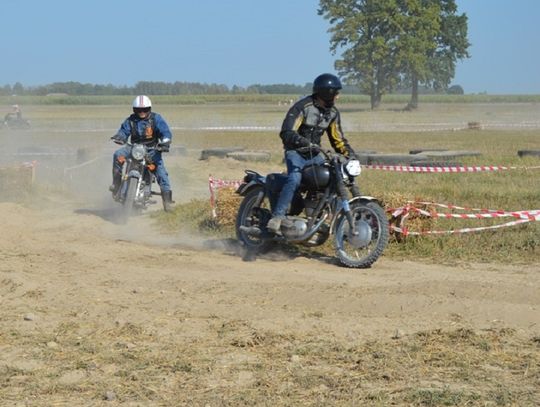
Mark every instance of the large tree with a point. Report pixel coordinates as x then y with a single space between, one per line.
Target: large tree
384 42
448 44
365 31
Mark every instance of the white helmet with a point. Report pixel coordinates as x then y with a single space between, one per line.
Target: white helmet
142 102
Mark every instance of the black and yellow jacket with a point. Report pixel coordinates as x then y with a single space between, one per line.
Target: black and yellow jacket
305 123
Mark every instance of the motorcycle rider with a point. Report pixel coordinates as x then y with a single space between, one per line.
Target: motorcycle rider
302 128
15 113
149 128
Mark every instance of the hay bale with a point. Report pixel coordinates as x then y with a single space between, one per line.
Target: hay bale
227 203
16 179
414 221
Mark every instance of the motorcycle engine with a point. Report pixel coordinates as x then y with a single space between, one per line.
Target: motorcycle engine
293 227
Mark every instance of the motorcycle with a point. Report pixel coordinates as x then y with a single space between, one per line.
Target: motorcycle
135 190
321 207
15 123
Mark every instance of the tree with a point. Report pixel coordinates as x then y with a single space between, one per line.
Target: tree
18 88
386 42
366 30
448 44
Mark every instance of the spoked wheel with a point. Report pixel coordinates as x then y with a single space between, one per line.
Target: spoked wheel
363 249
253 215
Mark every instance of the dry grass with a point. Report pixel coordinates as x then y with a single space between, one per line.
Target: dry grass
236 363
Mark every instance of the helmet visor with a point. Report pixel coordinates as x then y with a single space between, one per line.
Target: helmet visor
141 109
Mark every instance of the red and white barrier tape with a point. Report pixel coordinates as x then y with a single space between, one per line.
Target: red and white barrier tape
407 232
404 212
405 168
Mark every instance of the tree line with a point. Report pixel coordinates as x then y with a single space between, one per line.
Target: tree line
176 88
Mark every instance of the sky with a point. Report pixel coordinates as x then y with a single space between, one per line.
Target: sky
233 42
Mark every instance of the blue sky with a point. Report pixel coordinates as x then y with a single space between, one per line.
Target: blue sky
240 42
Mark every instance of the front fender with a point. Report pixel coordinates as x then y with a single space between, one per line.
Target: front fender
361 199
134 174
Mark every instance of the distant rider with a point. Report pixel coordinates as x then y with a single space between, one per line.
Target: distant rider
303 126
149 128
15 113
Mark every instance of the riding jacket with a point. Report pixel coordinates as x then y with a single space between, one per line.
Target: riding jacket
150 130
305 123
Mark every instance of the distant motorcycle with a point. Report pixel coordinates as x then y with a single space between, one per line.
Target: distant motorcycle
16 123
320 207
135 190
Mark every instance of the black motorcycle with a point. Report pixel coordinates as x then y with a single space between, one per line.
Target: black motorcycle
135 190
320 207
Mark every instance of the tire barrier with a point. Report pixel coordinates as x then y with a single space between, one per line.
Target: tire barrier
389 159
260 156
220 152
528 153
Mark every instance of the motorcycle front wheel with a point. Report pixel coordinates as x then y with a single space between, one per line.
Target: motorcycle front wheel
363 249
129 201
254 212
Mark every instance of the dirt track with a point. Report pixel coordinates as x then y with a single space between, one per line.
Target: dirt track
67 274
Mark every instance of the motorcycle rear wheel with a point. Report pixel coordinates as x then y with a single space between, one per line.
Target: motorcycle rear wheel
362 251
253 208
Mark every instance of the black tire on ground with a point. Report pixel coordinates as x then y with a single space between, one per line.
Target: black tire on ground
220 152
436 164
423 150
260 156
370 214
246 216
529 153
393 159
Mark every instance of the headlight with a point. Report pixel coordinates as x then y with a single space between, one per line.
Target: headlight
137 152
353 168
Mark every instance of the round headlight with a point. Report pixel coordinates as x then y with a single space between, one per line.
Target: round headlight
137 152
353 168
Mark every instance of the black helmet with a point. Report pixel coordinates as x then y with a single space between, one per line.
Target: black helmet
326 86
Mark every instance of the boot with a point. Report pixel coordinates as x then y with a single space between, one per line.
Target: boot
117 180
166 196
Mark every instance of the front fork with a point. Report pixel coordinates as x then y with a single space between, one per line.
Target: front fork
344 195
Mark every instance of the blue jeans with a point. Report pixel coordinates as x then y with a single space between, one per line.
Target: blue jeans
162 176
295 163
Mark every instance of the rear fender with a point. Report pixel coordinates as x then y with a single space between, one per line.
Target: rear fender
251 180
247 187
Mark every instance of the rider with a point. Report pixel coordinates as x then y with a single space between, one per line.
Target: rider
149 128
15 113
302 128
